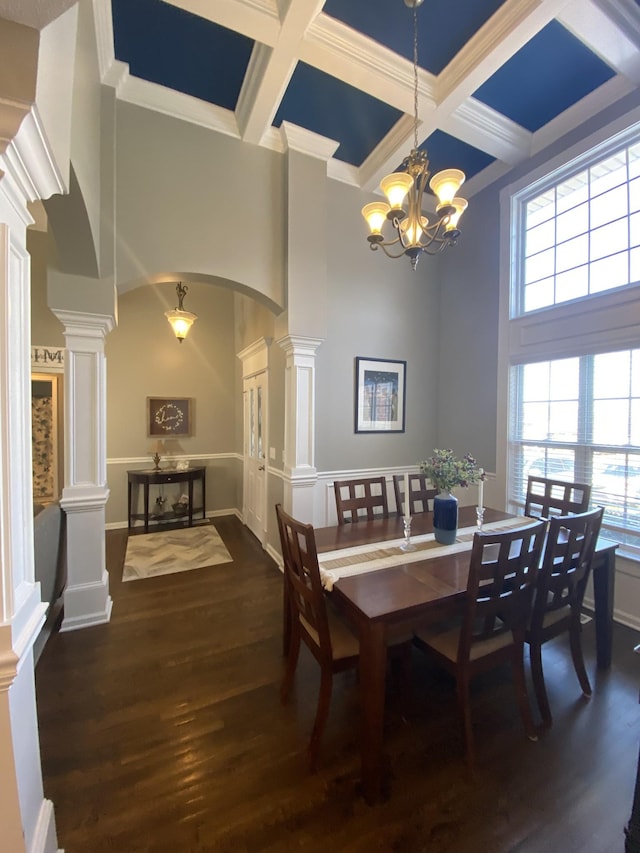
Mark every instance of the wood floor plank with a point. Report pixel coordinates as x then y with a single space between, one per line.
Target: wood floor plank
163 730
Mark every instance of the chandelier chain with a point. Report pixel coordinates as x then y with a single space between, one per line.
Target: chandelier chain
412 231
415 75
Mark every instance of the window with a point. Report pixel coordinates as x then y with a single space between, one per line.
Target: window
580 236
579 419
571 326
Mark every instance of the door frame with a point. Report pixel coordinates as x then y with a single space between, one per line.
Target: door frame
255 360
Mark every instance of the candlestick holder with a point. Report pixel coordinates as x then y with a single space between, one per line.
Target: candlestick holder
407 545
479 517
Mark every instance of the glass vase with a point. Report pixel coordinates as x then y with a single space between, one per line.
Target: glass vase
445 518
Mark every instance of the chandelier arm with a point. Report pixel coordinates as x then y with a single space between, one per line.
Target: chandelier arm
383 246
440 245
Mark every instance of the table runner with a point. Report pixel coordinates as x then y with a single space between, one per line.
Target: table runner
344 562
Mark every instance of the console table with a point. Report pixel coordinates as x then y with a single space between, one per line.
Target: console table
160 478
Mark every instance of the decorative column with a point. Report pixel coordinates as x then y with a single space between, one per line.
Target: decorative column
84 497
27 820
299 425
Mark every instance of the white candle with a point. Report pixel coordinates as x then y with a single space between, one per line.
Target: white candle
481 489
407 505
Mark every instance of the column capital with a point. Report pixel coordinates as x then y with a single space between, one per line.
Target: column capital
299 345
83 325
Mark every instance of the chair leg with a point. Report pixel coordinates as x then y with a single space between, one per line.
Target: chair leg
522 697
324 700
462 692
575 639
292 662
535 654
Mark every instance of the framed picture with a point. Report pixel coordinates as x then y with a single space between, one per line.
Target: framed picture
169 416
380 390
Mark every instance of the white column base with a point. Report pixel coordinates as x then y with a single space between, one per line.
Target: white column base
86 596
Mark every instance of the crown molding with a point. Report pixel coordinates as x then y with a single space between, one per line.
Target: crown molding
158 98
484 128
29 161
296 138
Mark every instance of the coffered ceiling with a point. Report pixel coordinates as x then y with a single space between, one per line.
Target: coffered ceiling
498 79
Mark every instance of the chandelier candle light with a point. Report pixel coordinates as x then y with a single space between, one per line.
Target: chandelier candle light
413 233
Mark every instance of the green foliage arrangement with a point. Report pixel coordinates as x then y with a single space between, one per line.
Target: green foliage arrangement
446 472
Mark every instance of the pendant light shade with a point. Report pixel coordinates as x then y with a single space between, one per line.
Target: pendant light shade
180 320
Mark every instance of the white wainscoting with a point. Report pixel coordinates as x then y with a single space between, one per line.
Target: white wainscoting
325 503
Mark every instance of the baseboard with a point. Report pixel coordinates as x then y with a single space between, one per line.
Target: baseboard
217 513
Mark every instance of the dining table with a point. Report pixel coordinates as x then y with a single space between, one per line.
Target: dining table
385 592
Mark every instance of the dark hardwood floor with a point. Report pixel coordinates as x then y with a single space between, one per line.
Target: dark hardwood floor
163 731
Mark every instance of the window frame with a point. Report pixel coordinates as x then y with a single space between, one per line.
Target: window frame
595 323
550 181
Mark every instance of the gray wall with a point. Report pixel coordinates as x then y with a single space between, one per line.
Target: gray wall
144 359
192 202
379 308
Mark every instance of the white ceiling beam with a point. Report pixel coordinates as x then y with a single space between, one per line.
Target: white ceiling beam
271 69
503 35
256 19
610 31
350 56
487 130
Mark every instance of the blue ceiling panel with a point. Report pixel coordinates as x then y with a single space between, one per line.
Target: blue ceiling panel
442 29
447 152
565 72
325 105
171 47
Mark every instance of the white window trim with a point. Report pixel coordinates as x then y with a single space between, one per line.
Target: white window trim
595 323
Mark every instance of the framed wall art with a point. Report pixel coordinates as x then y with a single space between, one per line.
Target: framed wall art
380 395
169 416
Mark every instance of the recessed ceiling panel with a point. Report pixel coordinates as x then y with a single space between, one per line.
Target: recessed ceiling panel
548 75
324 105
447 152
443 28
171 47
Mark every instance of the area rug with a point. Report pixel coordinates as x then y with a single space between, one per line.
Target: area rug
152 554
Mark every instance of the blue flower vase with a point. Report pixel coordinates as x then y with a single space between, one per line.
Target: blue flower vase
445 518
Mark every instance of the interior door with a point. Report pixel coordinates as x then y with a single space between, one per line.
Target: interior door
255 469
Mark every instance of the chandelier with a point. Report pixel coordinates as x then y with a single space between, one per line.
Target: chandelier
180 320
412 232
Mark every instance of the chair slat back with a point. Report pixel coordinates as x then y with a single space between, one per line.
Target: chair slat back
502 572
546 497
361 499
420 495
562 579
302 574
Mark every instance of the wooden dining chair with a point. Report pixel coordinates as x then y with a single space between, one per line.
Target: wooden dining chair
546 497
559 591
499 590
329 639
361 499
420 495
